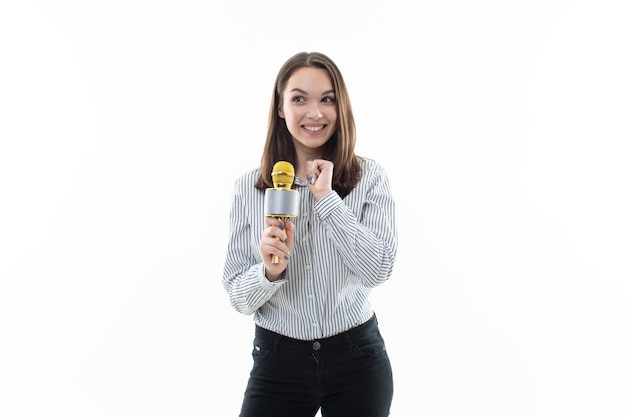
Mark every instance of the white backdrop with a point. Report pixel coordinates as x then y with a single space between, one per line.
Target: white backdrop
124 123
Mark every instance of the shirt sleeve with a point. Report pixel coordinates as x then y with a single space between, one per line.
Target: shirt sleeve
244 273
365 236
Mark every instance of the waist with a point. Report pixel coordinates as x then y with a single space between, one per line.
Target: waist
338 341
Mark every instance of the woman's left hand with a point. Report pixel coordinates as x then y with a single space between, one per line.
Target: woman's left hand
320 177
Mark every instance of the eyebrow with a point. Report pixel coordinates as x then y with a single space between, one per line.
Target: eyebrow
299 90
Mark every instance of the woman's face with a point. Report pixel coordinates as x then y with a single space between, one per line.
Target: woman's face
309 108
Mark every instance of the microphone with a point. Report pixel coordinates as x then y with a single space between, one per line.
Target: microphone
282 202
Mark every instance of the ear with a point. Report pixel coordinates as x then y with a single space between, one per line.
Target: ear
280 113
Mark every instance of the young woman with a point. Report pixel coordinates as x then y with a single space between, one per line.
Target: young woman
317 342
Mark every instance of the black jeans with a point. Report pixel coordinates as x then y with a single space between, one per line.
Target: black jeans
346 375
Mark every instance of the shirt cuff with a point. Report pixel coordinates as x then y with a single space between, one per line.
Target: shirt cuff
327 204
266 284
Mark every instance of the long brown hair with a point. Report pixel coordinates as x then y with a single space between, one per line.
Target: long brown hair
340 147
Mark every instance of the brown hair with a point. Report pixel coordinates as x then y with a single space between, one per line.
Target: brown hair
340 147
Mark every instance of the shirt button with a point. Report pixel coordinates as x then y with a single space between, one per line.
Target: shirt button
317 345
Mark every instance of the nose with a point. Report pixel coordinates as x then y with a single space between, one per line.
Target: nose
315 112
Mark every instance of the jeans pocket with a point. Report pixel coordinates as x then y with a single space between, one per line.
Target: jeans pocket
371 345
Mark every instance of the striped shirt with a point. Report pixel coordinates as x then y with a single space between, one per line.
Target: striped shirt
342 249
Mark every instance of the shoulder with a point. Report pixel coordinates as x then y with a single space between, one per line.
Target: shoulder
371 169
248 178
369 163
244 184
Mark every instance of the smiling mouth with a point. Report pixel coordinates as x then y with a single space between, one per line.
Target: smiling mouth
315 128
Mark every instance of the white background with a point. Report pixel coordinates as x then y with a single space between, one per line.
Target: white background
124 123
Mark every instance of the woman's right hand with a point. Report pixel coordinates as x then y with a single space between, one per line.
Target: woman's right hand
277 239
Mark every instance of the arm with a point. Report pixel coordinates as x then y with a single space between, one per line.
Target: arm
244 276
366 234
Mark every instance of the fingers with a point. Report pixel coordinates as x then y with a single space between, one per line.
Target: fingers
276 242
319 175
272 248
315 168
312 171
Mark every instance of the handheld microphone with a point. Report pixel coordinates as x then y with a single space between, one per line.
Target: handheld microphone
282 202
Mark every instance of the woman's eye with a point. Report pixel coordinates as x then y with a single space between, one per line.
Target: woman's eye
328 100
298 99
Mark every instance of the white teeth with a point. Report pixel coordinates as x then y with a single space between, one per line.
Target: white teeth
313 128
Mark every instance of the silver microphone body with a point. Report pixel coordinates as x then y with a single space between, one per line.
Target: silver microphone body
282 202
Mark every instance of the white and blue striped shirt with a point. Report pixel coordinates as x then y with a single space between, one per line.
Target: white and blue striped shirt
342 249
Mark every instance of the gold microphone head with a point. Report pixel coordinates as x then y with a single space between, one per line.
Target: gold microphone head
283 174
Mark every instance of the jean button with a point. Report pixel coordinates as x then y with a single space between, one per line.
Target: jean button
317 345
